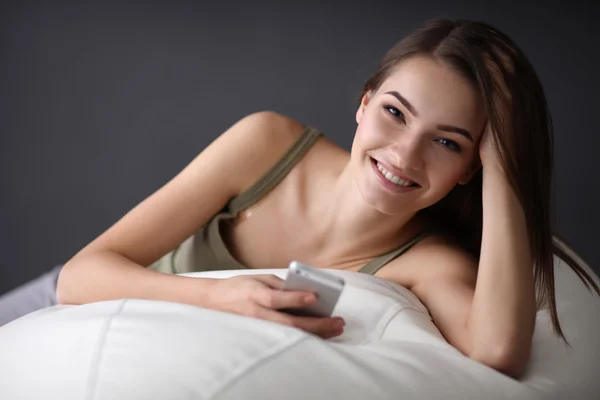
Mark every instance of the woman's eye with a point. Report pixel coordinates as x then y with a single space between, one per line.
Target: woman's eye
450 144
395 112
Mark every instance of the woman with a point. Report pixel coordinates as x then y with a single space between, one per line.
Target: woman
447 130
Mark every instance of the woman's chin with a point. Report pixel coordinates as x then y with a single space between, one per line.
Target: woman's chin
386 204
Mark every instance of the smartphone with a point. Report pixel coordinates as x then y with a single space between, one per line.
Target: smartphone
327 287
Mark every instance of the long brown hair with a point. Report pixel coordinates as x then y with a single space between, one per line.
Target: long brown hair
523 136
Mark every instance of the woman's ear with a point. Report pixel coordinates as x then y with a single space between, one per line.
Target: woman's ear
363 103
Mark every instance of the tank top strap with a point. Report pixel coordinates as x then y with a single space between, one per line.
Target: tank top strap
283 166
378 262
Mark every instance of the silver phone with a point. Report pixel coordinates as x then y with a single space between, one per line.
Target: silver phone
327 287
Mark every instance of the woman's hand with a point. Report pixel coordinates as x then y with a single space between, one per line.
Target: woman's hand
502 100
260 296
487 151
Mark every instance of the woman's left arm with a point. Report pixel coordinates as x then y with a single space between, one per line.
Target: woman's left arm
502 316
486 309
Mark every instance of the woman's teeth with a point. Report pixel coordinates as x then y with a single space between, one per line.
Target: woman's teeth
393 178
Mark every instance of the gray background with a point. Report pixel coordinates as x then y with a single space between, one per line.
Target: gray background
102 104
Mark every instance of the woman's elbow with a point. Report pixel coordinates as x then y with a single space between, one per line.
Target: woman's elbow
510 361
62 285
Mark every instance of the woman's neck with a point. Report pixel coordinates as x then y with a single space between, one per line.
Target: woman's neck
348 228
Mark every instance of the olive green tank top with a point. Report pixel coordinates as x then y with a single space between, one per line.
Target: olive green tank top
206 249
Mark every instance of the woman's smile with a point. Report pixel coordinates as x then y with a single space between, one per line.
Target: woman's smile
393 183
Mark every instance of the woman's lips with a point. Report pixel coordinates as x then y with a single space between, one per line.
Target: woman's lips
395 172
388 184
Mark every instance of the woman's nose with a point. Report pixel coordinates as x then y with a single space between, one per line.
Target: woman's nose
407 152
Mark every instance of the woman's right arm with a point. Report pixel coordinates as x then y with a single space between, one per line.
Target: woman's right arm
113 266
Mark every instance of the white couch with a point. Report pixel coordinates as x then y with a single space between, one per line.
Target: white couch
136 349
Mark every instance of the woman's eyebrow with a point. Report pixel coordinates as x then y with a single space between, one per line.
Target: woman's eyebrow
405 102
411 109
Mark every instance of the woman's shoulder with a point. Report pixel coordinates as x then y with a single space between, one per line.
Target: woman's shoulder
445 258
276 131
267 135
271 130
436 256
272 134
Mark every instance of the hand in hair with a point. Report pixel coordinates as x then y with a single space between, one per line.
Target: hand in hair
488 153
500 68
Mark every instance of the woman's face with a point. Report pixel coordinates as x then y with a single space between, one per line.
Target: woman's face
423 125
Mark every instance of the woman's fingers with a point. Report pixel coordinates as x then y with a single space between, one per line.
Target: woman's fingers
276 299
272 281
266 297
324 327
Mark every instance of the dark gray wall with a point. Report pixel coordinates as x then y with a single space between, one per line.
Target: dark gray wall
102 104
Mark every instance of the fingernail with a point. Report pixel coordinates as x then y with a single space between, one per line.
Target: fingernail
340 322
309 298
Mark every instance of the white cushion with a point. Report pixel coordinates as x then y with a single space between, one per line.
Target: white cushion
138 349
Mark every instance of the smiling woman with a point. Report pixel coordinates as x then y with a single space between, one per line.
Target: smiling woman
465 70
420 132
441 193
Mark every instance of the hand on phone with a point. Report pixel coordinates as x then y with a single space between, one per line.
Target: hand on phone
261 296
326 286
